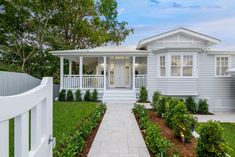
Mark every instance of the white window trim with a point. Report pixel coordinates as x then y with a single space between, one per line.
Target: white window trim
168 55
165 66
195 65
229 65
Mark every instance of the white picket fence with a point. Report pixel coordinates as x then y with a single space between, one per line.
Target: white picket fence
39 101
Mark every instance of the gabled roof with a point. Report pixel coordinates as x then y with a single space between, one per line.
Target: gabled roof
211 40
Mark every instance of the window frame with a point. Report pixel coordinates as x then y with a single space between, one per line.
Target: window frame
229 65
165 65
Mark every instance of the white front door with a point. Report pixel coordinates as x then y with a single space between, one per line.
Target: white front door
119 73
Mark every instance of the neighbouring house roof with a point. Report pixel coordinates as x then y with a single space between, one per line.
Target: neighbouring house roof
210 40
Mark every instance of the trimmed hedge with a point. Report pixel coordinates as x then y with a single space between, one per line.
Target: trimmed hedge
176 116
87 96
69 95
203 107
74 144
94 96
157 144
78 95
191 105
143 94
62 95
211 141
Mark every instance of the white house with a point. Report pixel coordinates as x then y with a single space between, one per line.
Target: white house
177 63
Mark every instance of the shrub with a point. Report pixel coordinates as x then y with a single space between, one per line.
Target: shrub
181 124
62 95
211 141
156 97
87 96
78 95
69 95
175 106
162 105
191 105
143 94
142 115
203 106
155 142
94 96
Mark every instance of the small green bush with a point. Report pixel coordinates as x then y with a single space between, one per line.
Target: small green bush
94 96
78 95
211 141
143 94
181 124
155 142
191 105
162 105
175 106
142 115
203 106
87 96
69 95
62 95
156 97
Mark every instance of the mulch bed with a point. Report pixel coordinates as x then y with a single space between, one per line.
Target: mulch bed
185 150
90 140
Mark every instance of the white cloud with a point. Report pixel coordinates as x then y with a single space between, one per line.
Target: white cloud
121 10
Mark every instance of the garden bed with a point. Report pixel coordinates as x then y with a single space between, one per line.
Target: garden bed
89 140
187 149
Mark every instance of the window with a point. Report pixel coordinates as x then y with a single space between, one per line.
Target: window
187 65
222 65
162 66
175 65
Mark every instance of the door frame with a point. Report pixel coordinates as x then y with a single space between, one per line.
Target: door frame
112 59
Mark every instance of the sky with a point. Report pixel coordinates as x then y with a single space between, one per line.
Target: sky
151 17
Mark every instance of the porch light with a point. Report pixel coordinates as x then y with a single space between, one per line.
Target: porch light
136 65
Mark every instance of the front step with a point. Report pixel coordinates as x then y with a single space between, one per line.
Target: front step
119 96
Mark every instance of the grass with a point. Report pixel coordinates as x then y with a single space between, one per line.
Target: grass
9 67
66 118
229 135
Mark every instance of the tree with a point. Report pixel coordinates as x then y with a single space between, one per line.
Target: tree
29 29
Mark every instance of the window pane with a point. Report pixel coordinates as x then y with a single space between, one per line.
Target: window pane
162 71
218 71
175 71
187 71
175 60
222 65
223 71
188 60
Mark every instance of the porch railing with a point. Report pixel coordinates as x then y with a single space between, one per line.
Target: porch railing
140 80
71 81
93 81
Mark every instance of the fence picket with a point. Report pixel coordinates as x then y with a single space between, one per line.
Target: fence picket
4 138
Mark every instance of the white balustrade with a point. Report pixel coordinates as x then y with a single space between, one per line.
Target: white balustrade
71 82
39 101
92 81
140 80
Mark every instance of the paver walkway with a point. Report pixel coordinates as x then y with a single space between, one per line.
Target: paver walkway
219 116
119 134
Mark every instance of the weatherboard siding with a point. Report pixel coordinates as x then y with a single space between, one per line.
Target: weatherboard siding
220 91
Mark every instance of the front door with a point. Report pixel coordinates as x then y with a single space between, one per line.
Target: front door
119 72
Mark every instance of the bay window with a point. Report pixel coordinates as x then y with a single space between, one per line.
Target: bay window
188 65
162 66
175 65
222 65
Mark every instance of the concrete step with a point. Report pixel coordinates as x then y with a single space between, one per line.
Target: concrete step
119 96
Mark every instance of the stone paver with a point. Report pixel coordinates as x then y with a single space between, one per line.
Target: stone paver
219 116
119 134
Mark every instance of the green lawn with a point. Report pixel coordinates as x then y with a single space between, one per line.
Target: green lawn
229 132
66 118
9 67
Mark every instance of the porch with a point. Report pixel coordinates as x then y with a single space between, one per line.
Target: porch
103 72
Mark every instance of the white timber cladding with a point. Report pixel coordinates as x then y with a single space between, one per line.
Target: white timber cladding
39 101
